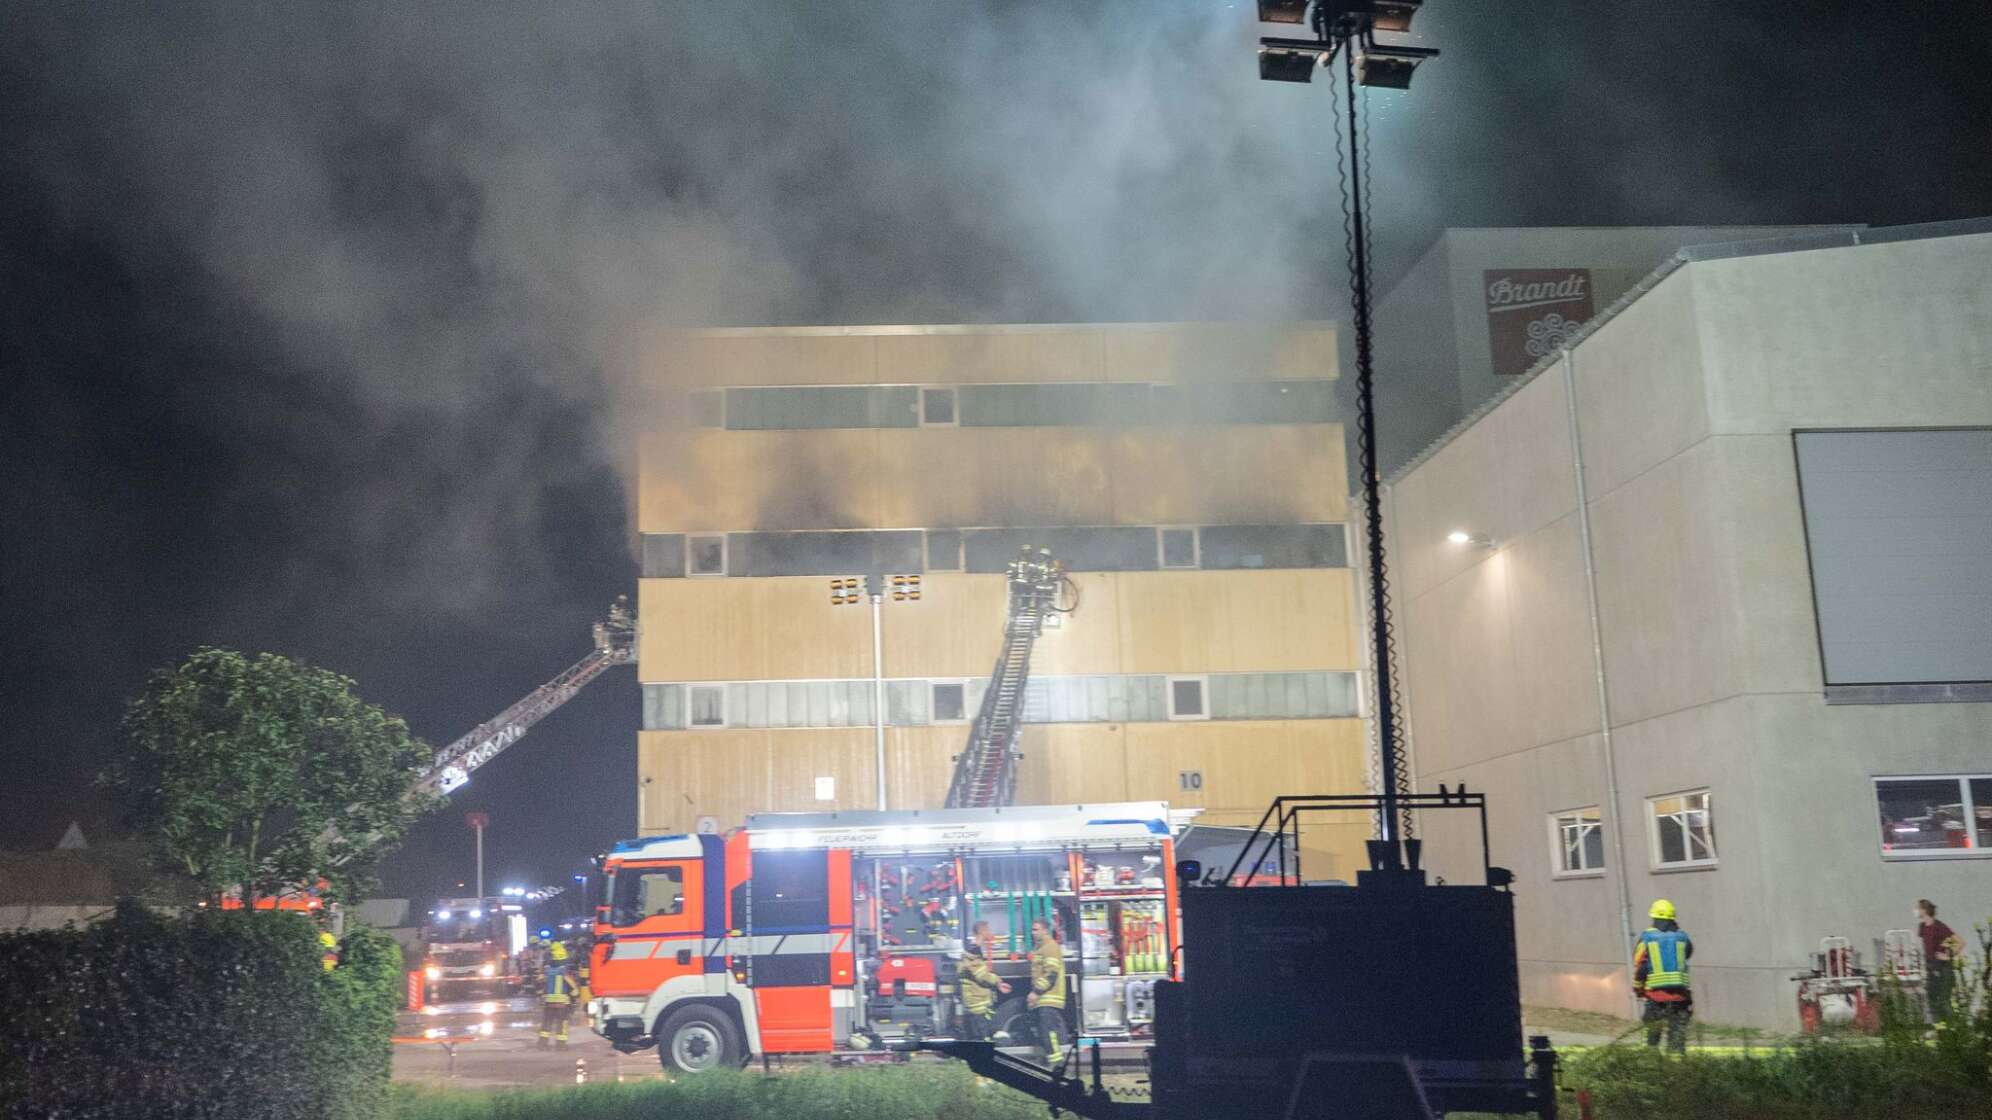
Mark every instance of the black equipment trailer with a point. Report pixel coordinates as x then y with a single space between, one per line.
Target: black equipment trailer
1394 998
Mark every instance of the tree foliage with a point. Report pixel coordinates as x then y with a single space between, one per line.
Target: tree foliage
264 773
216 1015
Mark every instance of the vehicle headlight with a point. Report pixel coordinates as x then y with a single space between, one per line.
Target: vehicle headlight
433 973
488 971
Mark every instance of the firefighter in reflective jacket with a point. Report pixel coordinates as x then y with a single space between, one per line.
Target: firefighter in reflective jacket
1047 996
1660 976
979 986
557 1000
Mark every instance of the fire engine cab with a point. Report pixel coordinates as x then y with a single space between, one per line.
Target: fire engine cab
826 932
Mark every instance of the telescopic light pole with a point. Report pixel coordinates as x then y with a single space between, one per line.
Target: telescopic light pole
1347 28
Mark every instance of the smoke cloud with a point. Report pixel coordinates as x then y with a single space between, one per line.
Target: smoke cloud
446 211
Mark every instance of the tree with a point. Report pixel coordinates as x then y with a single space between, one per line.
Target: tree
266 774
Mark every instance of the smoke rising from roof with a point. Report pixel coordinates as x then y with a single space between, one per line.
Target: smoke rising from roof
449 212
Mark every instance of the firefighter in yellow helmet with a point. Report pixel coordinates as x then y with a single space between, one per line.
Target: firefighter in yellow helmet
1660 977
1047 998
328 950
557 998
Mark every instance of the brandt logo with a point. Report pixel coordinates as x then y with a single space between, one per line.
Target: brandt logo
1511 294
1532 313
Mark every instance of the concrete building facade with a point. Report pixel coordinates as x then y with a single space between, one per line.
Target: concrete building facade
1190 478
1703 602
1481 306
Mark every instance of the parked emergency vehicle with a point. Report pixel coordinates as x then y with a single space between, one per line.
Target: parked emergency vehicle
816 933
470 949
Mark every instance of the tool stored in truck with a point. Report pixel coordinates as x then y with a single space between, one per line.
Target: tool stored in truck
842 932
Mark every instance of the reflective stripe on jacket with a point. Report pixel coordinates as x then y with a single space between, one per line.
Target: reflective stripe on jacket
559 986
979 984
1048 975
1661 961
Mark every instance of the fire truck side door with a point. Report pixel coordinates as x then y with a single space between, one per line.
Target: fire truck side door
656 915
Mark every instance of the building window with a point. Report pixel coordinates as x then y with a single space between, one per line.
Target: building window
1577 842
708 704
1682 830
1176 547
944 550
1186 698
1934 815
950 702
705 554
937 408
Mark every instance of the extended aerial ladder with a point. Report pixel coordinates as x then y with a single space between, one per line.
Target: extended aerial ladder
615 644
985 774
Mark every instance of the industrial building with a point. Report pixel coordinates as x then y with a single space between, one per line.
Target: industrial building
1703 602
1190 477
1480 306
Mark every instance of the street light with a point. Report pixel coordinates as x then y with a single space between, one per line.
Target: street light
844 592
1347 29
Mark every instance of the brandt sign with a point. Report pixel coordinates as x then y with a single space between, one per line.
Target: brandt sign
1532 312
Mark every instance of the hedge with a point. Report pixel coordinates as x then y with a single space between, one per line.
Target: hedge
214 1015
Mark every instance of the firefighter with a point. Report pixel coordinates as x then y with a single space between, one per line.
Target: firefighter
1047 997
1660 977
979 985
557 999
328 950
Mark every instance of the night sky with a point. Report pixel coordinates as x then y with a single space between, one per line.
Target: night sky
314 323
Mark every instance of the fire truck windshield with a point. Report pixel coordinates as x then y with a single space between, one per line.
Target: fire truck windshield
459 958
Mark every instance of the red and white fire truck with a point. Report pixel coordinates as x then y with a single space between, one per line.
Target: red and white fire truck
826 932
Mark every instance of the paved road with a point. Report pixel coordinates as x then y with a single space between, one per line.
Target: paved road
495 1044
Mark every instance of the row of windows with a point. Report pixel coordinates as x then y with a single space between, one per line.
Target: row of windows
1058 404
1921 817
1105 698
1093 548
1680 833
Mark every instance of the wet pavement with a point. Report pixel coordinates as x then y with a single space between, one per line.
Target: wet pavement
494 1044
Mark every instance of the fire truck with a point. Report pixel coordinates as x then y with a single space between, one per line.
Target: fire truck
825 932
470 948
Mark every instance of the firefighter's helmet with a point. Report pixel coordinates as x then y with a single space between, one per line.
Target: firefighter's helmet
558 951
1662 909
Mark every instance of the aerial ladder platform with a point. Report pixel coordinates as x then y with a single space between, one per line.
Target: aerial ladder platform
615 644
985 774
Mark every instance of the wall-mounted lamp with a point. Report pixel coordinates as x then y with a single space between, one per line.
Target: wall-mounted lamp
1477 540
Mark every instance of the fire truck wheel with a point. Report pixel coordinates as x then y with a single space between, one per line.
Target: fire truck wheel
697 1039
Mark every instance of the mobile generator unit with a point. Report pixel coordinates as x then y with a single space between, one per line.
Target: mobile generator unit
1395 998
814 933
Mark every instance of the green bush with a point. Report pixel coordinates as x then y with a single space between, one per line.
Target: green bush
912 1092
215 1015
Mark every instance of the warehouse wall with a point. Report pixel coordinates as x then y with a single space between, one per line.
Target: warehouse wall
1271 593
1686 402
860 478
786 628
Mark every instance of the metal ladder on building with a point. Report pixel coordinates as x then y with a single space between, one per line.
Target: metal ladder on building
985 774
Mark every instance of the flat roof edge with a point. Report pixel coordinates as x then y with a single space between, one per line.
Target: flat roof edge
878 330
1834 238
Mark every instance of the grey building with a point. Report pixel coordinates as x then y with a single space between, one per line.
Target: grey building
1703 602
1480 306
